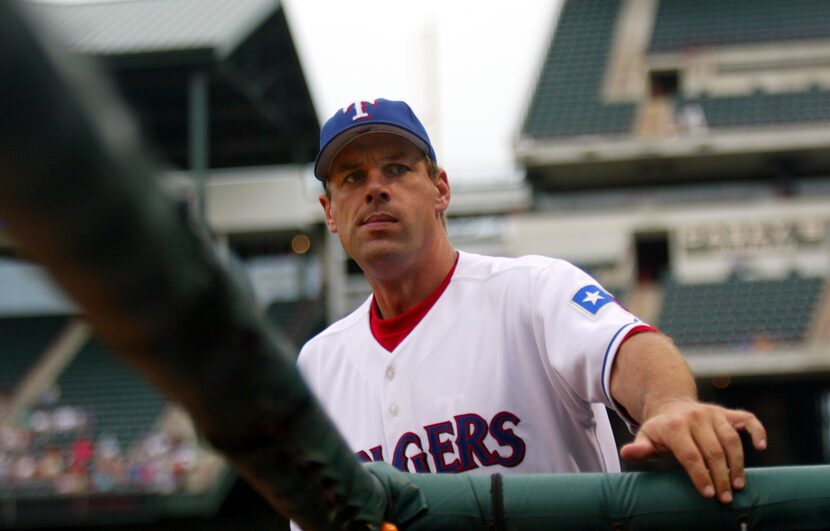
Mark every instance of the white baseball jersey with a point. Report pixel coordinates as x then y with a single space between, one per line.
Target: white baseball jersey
507 372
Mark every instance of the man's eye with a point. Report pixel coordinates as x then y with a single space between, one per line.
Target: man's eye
397 169
353 177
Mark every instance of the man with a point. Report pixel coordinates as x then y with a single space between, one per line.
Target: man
460 362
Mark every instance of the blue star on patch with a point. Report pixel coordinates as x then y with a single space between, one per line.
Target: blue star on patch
591 298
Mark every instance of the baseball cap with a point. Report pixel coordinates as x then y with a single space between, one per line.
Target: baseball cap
362 117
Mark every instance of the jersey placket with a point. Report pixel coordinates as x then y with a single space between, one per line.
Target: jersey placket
402 425
394 406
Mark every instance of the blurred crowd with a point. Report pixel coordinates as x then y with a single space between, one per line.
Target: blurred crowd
58 448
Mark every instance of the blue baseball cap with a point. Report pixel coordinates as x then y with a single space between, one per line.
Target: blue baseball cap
363 117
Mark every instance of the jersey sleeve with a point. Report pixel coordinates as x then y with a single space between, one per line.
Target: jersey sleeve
579 327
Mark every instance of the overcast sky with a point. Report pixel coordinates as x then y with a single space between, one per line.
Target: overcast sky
467 67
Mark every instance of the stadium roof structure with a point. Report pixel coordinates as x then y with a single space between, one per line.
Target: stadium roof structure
114 29
636 91
213 83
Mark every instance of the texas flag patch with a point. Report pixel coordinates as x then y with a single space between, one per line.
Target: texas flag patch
591 299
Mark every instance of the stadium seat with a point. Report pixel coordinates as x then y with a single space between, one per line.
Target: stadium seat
680 24
568 96
122 403
738 313
22 341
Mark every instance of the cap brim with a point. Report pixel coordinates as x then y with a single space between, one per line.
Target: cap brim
327 155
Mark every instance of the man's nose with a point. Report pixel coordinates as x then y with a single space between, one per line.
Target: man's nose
377 187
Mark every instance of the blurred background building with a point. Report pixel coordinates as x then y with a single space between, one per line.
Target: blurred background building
678 151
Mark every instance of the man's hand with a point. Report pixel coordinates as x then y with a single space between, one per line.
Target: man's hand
704 438
652 382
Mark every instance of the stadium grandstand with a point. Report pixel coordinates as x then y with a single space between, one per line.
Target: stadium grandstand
688 144
678 151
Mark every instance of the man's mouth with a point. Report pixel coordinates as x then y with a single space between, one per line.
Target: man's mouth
378 219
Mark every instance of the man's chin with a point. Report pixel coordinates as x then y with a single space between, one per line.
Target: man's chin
380 252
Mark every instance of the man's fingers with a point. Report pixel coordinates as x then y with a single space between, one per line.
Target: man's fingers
640 448
731 441
705 440
679 442
719 452
688 454
749 422
744 420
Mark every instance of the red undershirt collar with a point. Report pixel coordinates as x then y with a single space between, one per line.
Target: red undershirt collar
390 332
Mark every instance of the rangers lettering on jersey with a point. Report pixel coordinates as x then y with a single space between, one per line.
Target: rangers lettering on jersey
458 445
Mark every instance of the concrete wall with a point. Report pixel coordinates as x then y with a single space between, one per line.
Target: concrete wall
771 237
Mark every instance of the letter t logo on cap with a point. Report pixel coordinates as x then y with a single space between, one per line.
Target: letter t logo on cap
359 109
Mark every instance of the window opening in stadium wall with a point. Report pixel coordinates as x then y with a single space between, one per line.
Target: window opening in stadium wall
664 82
652 254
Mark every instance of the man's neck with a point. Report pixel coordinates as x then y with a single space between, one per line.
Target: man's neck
396 294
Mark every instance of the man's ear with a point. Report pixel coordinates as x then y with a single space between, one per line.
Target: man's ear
326 204
442 184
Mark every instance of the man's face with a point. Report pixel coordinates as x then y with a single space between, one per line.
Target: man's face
382 203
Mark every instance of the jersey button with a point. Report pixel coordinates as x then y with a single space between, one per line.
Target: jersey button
393 410
390 373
